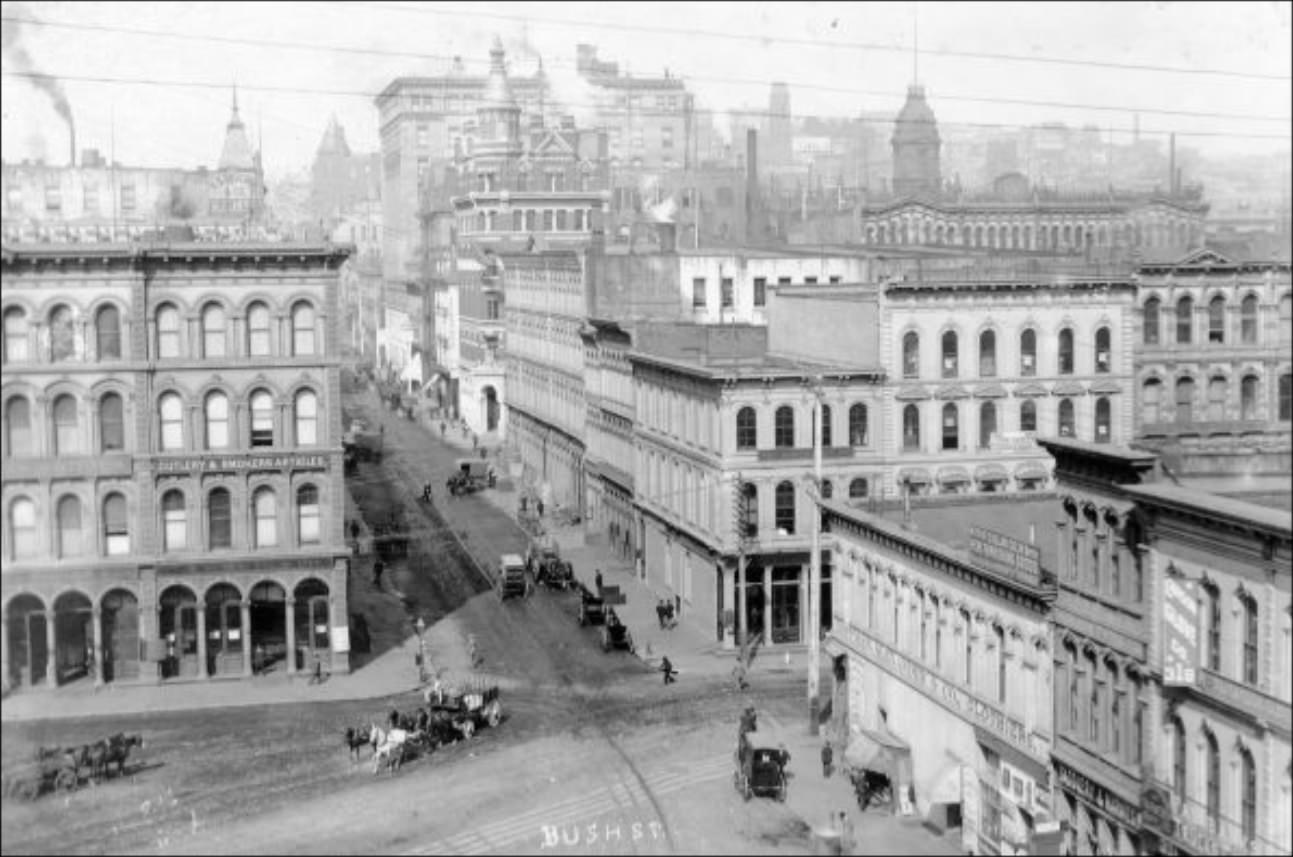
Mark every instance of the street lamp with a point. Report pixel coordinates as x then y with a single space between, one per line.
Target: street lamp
420 626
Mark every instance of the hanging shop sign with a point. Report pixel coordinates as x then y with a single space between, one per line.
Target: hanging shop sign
1180 633
1097 795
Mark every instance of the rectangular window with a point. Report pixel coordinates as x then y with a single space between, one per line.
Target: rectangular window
221 521
115 530
783 281
698 292
728 293
760 291
810 281
127 197
90 205
423 136
53 198
836 280
176 529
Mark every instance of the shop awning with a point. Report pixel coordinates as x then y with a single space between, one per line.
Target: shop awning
1031 390
1105 387
914 475
992 391
952 391
1069 388
953 476
882 752
911 394
945 786
1031 470
991 473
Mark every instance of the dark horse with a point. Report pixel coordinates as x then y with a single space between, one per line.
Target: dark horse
356 739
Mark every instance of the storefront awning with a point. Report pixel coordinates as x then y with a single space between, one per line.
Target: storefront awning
1069 388
1031 470
881 752
1031 390
1012 754
991 473
914 475
945 786
953 476
1105 387
992 391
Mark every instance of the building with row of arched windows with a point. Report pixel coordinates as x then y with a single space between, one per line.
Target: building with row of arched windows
1214 368
172 488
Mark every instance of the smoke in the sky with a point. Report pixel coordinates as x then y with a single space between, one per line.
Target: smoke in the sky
16 53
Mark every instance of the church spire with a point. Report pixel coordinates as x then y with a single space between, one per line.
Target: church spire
236 154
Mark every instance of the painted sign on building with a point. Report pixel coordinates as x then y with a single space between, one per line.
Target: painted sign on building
1180 633
211 463
1019 560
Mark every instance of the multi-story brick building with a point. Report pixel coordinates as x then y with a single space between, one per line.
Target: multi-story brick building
1214 372
172 487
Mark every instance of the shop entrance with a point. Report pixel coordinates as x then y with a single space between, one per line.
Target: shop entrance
28 641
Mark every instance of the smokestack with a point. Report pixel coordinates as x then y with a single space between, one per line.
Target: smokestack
1171 164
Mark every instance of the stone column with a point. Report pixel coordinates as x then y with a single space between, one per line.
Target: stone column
96 618
245 606
742 619
202 641
51 645
289 610
4 654
767 604
728 581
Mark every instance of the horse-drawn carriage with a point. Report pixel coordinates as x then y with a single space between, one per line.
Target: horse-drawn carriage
615 634
450 715
592 607
547 567
760 771
512 577
58 769
465 712
471 475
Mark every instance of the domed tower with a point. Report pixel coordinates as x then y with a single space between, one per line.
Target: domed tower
915 148
499 116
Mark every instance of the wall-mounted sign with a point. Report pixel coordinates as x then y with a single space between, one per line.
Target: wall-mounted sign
227 463
1016 558
1180 632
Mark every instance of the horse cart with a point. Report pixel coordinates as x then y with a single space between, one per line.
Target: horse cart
592 608
461 714
512 577
58 771
760 771
615 634
546 565
471 475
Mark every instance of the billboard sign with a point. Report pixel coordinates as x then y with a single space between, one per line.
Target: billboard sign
1180 633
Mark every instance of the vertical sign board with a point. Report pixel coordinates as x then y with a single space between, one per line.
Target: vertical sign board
970 805
1180 632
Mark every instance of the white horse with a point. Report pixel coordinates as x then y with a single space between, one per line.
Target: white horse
389 751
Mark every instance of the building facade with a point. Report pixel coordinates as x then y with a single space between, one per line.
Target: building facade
1214 372
172 487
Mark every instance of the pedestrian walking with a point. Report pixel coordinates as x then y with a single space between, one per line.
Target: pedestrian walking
442 428
597 578
846 833
659 612
677 600
828 759
317 678
783 756
738 673
354 530
378 568
539 506
473 653
666 667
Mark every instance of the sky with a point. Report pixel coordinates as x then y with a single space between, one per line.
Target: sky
160 96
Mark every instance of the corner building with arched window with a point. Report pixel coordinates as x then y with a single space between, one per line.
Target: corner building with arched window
172 481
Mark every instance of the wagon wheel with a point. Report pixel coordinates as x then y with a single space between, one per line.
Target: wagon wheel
66 780
494 713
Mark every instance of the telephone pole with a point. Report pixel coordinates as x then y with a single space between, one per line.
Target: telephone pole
815 570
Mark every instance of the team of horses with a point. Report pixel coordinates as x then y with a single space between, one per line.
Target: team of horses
424 729
98 757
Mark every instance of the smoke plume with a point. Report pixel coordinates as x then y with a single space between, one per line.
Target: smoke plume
16 52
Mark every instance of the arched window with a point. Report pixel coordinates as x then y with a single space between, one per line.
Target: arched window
213 330
258 330
1248 388
219 519
1000 634
15 336
1151 401
1066 351
1103 351
747 430
1179 750
859 489
171 411
1217 320
217 421
1212 654
22 528
749 512
826 426
1103 419
784 427
107 329
911 355
62 334
70 542
987 354
262 418
1286 398
1286 319
951 427
175 524
17 419
265 508
858 425
116 525
1068 423
1185 401
1212 763
1028 415
1217 398
949 354
112 425
307 418
168 331
1247 797
1184 320
967 633
1149 328
67 435
828 490
987 424
911 427
1249 618
1248 320
302 328
307 515
785 508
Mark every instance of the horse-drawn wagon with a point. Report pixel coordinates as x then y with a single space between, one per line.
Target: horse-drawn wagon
56 770
471 475
544 561
592 607
512 577
615 634
464 713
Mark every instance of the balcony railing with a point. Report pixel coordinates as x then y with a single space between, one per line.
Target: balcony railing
1246 699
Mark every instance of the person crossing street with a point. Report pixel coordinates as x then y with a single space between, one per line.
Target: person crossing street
666 667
